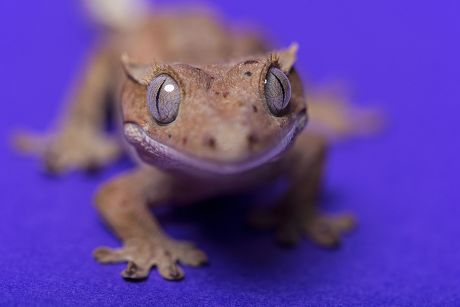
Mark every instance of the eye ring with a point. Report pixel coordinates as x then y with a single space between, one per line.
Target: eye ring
163 98
277 91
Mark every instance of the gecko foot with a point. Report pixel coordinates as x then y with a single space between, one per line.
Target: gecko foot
71 149
324 230
142 255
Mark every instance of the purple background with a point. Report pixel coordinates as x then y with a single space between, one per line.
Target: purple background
403 185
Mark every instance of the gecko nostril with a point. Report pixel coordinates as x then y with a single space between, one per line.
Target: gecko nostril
210 142
253 139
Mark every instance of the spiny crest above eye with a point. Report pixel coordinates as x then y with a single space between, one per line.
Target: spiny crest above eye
285 58
140 73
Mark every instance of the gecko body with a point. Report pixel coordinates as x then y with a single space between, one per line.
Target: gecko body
206 112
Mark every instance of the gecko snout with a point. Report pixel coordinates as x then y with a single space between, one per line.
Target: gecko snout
231 147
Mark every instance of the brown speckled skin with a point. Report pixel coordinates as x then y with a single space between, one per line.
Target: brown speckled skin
223 118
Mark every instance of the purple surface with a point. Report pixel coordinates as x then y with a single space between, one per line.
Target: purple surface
403 55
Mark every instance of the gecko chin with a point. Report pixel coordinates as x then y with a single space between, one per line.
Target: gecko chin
167 158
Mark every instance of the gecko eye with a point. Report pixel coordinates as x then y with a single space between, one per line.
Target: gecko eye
277 91
163 97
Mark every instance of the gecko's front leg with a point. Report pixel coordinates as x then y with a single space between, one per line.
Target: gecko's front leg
297 214
124 204
79 141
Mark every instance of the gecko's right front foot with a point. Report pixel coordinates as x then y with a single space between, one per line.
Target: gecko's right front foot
76 148
143 254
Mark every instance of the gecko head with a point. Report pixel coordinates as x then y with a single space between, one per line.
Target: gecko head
221 118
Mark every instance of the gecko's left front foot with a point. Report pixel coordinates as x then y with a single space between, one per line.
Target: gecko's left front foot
324 230
143 254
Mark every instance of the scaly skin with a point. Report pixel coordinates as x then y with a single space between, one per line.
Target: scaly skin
224 139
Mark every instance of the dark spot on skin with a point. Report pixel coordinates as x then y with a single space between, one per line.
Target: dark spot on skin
208 84
217 93
248 73
254 108
210 142
169 135
225 94
250 62
253 139
184 140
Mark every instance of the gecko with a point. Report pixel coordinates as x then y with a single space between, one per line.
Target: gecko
204 111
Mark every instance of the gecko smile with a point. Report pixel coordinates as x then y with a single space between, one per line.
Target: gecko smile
164 156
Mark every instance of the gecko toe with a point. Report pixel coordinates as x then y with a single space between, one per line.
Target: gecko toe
30 143
326 231
193 257
288 235
135 272
343 223
169 270
108 255
324 237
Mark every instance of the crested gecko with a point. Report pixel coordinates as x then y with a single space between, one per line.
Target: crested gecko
205 111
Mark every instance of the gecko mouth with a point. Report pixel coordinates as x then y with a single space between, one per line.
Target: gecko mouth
168 158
